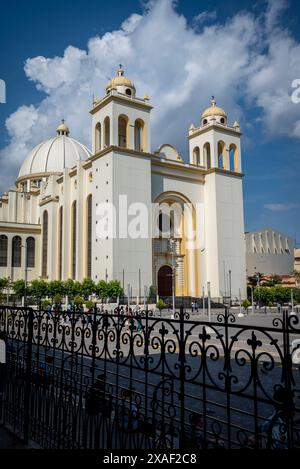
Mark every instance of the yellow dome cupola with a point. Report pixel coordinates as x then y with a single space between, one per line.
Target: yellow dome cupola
62 129
213 114
121 83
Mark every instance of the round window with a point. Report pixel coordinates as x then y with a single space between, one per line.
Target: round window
128 91
222 120
204 121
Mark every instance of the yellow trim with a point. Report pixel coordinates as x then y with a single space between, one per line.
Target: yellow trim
37 175
225 172
105 144
50 199
131 102
225 129
73 274
7 229
86 165
233 147
87 234
97 140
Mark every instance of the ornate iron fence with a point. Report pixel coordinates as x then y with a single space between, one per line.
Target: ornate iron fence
111 380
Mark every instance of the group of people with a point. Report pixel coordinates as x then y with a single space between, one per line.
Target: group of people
194 306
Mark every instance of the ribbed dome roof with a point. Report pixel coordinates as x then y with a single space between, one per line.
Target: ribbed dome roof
53 156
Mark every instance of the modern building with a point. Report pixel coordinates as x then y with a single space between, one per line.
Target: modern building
53 219
269 252
297 259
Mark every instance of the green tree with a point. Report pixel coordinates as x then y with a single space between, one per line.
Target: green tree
102 290
87 287
19 288
56 287
3 283
69 288
114 289
39 289
152 293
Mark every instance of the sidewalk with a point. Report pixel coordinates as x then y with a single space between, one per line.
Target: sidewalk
9 441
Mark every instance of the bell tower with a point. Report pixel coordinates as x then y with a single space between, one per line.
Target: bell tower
121 119
215 147
122 181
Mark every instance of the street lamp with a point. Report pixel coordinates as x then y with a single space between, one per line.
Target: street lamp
8 289
230 288
25 271
172 247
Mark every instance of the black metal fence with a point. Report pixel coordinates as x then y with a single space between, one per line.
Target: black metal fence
110 380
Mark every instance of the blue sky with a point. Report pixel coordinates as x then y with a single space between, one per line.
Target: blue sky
247 54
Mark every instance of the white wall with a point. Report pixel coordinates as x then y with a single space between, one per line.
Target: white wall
224 234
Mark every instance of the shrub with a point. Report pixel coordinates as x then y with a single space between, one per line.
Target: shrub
57 299
45 304
89 305
152 293
161 305
246 303
78 300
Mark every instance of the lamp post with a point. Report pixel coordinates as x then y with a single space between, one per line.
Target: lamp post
208 302
172 246
208 329
258 279
8 289
229 288
25 272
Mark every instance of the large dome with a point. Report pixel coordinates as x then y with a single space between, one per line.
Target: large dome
54 155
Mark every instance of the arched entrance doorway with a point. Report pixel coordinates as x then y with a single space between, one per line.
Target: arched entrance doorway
164 281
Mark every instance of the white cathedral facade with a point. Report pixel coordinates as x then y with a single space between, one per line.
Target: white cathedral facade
48 221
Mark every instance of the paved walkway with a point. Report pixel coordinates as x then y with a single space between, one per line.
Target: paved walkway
9 441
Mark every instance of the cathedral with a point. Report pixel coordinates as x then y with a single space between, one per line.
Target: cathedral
51 221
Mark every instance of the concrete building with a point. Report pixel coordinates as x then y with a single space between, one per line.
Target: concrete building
269 252
66 196
297 259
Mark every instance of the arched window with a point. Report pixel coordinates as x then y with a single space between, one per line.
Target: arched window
196 155
233 158
3 250
221 155
138 134
74 240
45 245
30 249
16 252
98 137
166 224
206 154
89 236
60 242
106 132
122 131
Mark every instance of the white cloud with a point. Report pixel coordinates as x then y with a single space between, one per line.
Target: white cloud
281 207
180 67
204 17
